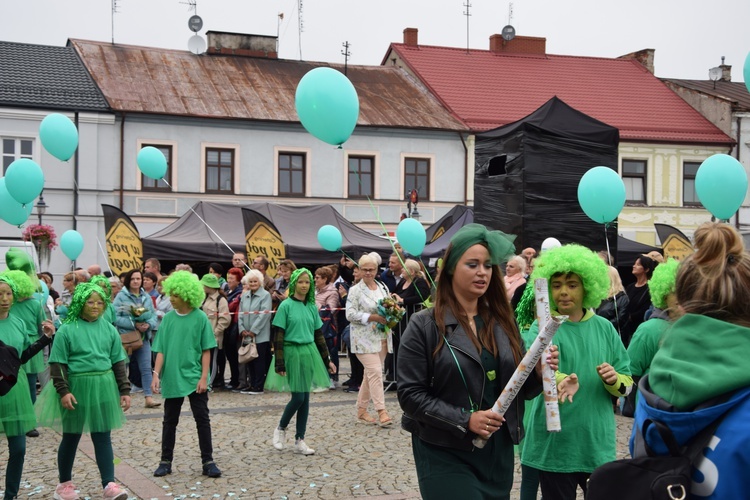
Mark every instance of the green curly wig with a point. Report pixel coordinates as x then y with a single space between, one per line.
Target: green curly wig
80 296
578 260
186 286
310 298
4 278
24 287
104 284
662 282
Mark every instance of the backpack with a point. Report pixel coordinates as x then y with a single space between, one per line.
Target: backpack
652 477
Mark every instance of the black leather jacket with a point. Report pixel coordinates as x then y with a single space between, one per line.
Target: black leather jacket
431 391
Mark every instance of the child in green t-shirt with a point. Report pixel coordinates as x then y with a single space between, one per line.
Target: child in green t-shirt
89 389
183 356
298 349
590 349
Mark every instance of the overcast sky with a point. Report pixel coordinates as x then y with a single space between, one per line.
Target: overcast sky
689 36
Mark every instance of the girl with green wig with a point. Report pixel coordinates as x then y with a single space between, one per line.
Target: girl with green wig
89 390
16 410
594 366
299 347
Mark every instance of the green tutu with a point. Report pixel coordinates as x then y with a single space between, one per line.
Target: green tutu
35 364
305 371
98 408
16 411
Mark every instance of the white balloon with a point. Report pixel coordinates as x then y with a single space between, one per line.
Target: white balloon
550 243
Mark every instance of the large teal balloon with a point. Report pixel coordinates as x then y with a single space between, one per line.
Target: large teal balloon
721 185
746 72
330 238
152 162
59 136
411 235
601 194
24 180
327 105
71 243
11 211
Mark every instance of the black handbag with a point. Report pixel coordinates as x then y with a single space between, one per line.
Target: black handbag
10 363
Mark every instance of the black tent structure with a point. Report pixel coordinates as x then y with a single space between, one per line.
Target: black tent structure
189 239
453 216
444 231
527 175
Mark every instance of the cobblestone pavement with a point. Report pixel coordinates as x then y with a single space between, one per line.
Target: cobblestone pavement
351 460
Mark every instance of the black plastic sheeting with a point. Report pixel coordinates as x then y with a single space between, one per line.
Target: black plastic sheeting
527 174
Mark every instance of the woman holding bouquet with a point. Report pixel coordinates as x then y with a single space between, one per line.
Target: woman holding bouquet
135 311
370 339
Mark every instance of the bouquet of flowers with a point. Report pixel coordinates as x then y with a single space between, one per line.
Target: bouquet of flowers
391 311
137 311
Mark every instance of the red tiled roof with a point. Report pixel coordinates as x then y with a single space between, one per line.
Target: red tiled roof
487 90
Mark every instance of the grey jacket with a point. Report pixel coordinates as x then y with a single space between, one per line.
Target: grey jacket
259 324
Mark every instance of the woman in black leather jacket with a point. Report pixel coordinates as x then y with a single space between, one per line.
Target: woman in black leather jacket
453 363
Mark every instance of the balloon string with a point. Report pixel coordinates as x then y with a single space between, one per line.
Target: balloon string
104 254
609 261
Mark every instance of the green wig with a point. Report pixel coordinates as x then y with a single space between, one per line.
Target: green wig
4 278
104 284
310 298
24 286
186 286
580 261
662 282
80 296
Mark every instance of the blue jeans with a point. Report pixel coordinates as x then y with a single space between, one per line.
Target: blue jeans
143 358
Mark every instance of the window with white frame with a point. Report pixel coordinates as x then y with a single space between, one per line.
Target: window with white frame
417 176
689 196
219 170
634 178
361 176
149 184
292 172
15 149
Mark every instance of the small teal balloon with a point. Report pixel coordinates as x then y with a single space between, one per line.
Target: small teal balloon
59 136
11 211
411 236
721 185
152 162
746 72
71 243
327 105
24 180
330 238
601 194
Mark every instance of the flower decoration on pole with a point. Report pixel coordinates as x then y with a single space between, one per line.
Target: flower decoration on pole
44 239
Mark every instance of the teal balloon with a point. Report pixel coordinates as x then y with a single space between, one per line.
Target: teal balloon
411 236
24 180
11 211
327 105
330 238
601 194
152 162
746 72
42 295
721 185
59 136
71 243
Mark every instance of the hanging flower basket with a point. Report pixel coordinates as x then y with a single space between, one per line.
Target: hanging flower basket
44 239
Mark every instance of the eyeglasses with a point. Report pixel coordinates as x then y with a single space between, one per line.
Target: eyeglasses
92 303
367 270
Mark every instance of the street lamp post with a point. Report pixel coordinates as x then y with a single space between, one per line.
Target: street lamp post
41 207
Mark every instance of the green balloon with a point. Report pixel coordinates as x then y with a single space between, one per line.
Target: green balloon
327 105
11 211
601 194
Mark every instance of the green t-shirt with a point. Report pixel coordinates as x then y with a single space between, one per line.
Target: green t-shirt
182 340
644 345
299 321
12 333
87 346
587 438
30 313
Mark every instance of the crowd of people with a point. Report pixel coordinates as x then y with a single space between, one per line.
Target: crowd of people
447 341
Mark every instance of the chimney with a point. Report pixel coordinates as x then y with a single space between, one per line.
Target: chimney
645 57
519 45
726 71
411 37
239 44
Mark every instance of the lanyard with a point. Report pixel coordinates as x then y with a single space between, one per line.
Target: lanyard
472 407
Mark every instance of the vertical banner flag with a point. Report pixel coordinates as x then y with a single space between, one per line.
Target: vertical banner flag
124 246
262 238
674 243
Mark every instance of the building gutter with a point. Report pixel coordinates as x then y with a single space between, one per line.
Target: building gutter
466 168
122 159
75 178
737 157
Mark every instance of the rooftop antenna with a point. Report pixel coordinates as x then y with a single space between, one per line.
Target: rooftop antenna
196 43
192 6
114 11
509 32
278 29
715 73
346 54
467 13
300 26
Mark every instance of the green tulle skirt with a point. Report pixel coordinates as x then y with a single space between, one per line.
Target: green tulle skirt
305 371
98 408
35 364
16 411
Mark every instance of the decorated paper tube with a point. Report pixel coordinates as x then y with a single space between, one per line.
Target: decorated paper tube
549 386
528 363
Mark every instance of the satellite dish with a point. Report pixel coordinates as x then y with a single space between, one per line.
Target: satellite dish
508 33
197 45
195 23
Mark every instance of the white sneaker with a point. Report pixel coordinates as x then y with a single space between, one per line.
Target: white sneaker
279 438
114 491
301 447
66 491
